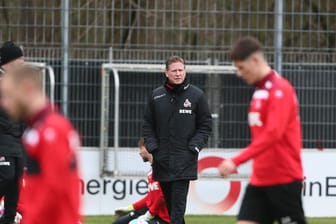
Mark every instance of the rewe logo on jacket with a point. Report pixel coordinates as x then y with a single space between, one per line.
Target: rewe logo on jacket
153 186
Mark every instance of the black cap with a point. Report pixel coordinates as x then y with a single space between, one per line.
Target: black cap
9 52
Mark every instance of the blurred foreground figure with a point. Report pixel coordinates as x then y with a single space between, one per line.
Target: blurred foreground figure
274 190
51 181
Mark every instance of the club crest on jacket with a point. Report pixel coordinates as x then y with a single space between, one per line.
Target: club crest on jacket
187 103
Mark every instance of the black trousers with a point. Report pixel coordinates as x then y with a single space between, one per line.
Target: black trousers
175 193
130 216
134 215
11 170
157 220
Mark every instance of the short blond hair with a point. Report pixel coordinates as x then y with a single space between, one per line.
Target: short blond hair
26 72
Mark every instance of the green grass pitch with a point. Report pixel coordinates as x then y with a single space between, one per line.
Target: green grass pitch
203 220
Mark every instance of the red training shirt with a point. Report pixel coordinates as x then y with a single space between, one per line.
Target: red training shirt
51 194
154 200
276 134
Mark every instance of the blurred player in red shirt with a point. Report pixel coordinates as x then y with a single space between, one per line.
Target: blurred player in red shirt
274 191
51 194
150 209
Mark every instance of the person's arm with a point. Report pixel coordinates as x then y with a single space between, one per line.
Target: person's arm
138 205
278 114
148 127
142 203
203 125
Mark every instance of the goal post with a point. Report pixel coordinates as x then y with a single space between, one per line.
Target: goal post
111 156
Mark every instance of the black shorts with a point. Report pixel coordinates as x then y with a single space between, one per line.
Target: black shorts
264 205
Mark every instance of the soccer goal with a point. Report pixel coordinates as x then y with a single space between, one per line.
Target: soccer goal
124 161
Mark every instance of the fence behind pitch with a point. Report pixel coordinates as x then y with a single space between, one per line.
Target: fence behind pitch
229 99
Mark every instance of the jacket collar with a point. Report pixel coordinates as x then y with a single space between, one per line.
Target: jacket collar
177 88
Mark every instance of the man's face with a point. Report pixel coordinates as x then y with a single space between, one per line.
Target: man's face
145 155
176 73
247 69
13 98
